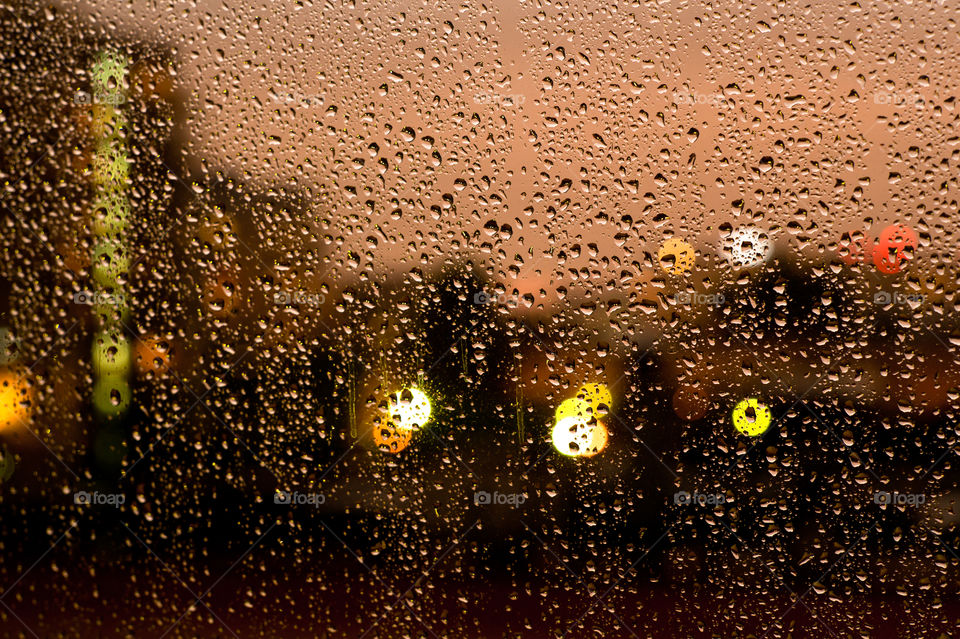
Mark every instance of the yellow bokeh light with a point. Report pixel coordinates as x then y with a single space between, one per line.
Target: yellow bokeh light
751 418
409 408
577 431
676 256
572 407
599 436
598 397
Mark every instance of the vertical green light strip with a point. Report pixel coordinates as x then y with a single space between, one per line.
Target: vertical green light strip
111 352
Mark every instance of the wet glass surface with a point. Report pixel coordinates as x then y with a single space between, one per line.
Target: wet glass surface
510 319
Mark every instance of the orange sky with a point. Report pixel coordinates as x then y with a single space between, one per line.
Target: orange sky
541 125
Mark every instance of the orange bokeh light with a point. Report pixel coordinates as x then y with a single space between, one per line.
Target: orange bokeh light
391 438
15 396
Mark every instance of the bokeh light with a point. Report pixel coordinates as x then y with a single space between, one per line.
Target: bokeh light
111 396
15 394
573 407
747 246
751 418
571 435
391 438
577 431
152 355
598 397
676 256
895 246
111 355
409 408
599 435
